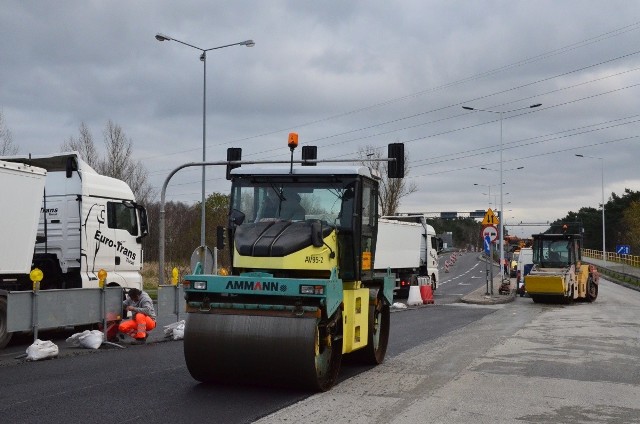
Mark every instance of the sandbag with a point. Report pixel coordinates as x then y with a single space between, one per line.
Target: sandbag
89 339
42 349
175 330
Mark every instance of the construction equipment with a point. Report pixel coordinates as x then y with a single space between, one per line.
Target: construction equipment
301 291
558 275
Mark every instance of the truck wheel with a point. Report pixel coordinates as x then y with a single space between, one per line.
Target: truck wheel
5 336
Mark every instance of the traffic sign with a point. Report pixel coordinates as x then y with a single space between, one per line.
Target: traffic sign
491 232
490 218
487 245
623 249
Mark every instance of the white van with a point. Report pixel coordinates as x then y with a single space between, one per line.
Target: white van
525 261
525 258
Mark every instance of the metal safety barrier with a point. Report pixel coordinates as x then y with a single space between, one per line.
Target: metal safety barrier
38 310
43 309
171 300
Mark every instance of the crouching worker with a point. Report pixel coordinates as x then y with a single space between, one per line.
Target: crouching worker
142 312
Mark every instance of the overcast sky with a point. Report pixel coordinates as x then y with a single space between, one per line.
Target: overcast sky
344 75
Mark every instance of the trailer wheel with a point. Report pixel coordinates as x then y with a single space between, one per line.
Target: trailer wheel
5 336
592 290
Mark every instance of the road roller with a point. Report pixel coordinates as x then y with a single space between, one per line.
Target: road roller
558 274
301 292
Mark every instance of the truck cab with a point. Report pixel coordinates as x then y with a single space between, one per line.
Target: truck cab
87 222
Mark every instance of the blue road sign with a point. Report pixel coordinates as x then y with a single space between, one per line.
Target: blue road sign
623 249
487 245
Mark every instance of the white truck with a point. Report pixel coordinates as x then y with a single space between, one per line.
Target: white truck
409 247
85 222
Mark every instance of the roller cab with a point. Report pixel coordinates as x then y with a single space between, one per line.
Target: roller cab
301 291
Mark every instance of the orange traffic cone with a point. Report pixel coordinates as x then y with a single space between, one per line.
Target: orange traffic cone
427 295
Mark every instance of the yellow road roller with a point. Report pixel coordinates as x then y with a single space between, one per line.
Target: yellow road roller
558 274
301 291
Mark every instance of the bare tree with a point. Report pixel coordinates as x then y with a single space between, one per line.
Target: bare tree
7 147
119 162
391 190
84 145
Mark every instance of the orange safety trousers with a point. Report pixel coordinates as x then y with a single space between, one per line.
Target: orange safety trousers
137 327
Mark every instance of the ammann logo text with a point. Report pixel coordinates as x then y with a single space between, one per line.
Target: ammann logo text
253 285
102 239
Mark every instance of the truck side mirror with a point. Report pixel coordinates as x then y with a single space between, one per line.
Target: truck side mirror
144 223
395 168
71 166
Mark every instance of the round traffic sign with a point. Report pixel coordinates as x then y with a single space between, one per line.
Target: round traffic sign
490 231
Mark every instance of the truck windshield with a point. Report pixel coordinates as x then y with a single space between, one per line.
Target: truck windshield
295 201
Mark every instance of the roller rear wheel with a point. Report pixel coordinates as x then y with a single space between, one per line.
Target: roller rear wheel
379 323
592 290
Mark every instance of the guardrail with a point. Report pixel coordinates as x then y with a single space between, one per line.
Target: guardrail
629 260
622 269
44 309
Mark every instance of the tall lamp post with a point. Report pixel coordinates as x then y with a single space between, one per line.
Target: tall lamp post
489 187
604 255
501 113
203 58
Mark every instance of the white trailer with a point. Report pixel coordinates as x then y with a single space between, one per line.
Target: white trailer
21 189
409 249
87 222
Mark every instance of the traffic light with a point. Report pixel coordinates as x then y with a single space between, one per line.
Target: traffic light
220 237
309 153
395 168
233 154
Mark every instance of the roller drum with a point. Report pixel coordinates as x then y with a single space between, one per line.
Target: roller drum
260 349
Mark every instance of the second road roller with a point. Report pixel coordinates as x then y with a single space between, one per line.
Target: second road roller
301 292
558 274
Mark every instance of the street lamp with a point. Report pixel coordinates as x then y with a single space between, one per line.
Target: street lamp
489 194
203 58
501 113
497 170
604 256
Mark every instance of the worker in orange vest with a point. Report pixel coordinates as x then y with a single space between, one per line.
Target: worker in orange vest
142 312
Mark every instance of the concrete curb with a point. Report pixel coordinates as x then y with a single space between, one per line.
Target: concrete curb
479 296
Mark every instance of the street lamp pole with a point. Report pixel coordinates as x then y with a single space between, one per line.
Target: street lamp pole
203 58
604 255
501 113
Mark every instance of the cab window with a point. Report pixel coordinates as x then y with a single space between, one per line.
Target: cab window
122 217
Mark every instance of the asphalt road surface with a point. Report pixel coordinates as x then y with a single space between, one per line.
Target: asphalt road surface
449 362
